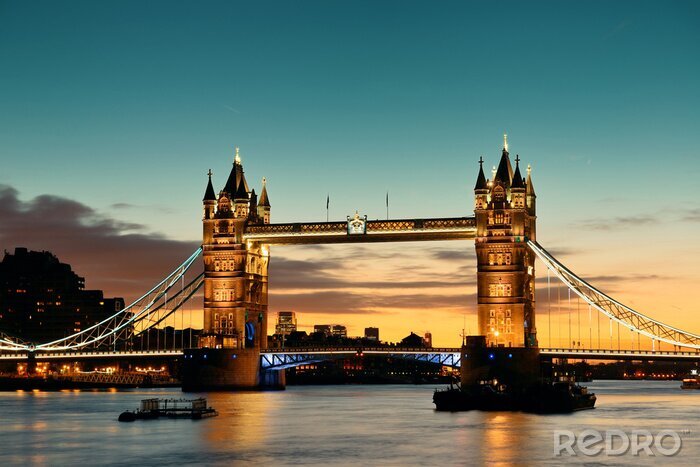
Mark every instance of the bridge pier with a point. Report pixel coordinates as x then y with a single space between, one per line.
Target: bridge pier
227 369
513 366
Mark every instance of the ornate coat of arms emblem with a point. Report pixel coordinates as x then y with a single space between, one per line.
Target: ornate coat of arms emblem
357 224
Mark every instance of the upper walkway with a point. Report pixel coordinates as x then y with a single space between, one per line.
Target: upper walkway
360 230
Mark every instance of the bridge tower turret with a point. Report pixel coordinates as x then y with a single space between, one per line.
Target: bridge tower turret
209 200
505 217
264 204
235 290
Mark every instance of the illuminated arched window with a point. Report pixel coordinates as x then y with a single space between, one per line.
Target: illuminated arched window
498 193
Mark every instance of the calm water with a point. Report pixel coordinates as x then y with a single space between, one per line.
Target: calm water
342 425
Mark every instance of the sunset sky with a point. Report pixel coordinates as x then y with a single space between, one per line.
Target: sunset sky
111 114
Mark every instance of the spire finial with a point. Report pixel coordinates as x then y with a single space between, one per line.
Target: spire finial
517 159
264 182
493 172
481 161
237 159
505 141
529 169
210 173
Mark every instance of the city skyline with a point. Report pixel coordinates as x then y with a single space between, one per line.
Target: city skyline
105 158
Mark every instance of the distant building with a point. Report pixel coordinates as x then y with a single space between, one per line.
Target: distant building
323 329
337 330
286 323
412 340
372 334
42 299
428 339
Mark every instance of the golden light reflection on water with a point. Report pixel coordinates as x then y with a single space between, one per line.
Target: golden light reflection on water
505 435
244 418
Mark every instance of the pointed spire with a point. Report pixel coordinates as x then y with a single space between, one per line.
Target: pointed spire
504 174
481 179
232 181
264 199
530 188
505 141
209 194
518 181
241 193
253 213
236 176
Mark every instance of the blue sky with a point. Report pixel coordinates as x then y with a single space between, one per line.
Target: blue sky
123 106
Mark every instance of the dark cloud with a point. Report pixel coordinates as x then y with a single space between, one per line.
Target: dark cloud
560 252
124 259
332 273
345 302
121 206
119 257
617 223
692 215
601 279
467 253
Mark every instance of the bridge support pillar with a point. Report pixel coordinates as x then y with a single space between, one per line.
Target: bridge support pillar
227 369
515 367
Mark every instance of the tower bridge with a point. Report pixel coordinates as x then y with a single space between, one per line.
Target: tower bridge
232 352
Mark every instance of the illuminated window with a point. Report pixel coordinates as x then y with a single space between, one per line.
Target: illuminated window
217 265
507 258
500 290
498 194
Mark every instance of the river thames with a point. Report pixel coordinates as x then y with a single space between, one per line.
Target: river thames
321 425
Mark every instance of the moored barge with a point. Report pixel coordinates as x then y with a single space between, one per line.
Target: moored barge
151 409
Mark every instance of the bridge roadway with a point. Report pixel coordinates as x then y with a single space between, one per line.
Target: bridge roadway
286 358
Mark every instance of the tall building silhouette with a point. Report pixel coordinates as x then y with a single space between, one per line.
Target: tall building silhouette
42 299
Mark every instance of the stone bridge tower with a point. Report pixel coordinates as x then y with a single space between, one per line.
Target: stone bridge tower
235 288
505 218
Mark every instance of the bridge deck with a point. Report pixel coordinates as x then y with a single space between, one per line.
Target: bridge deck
452 228
582 354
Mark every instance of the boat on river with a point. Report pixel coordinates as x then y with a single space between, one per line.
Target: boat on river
692 381
152 409
542 398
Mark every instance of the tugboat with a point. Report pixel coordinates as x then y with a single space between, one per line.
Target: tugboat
151 409
542 398
692 381
510 379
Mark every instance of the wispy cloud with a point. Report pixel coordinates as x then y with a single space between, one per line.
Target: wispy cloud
617 223
692 215
228 107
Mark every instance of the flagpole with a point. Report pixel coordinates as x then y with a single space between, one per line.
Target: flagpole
387 205
328 200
